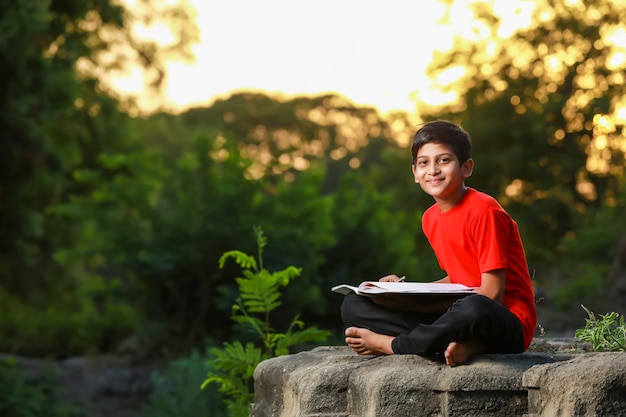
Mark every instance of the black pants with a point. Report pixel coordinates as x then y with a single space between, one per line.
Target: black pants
474 317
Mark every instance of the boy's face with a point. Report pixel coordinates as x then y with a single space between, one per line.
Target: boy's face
439 173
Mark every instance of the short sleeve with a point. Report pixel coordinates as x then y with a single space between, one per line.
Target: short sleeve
491 230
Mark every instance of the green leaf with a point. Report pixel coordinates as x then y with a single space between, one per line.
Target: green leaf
243 260
604 333
259 295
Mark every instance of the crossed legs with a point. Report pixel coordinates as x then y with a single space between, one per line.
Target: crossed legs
471 326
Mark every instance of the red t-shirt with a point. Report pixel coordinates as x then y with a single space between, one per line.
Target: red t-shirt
478 235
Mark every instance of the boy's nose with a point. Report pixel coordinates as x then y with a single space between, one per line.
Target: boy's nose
433 170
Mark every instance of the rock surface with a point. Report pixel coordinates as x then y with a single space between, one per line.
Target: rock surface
553 379
334 382
593 384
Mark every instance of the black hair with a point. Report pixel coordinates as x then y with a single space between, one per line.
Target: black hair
445 133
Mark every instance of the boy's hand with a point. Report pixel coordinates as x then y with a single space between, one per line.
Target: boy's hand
390 278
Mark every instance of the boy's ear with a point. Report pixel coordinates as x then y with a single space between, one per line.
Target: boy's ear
467 168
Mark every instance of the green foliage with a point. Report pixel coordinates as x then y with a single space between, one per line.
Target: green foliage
55 121
587 254
156 222
112 223
24 397
528 126
585 283
176 392
259 291
605 333
90 319
62 333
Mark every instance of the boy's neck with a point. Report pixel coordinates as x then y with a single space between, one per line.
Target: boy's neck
452 200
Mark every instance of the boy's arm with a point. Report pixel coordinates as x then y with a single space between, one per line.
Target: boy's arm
492 284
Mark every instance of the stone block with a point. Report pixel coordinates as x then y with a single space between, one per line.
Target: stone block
312 383
335 382
590 384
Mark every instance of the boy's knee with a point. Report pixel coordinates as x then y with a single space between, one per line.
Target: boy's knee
349 308
475 305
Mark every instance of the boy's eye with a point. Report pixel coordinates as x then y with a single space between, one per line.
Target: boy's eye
444 160
422 162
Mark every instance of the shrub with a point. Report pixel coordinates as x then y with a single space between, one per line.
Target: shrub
605 333
177 391
27 397
234 363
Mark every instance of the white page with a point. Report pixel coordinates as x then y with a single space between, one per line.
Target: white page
377 287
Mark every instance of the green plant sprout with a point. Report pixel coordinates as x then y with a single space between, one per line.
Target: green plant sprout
605 333
259 294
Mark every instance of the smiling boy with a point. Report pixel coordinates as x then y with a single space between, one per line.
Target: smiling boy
477 244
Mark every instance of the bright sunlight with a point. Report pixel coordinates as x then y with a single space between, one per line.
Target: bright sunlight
371 51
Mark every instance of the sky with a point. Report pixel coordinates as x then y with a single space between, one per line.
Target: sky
374 52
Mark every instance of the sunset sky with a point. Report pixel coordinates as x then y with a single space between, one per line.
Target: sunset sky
374 52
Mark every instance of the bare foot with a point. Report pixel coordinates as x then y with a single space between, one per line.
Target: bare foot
457 353
366 342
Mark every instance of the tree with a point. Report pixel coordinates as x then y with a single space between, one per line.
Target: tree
545 108
192 192
288 136
57 115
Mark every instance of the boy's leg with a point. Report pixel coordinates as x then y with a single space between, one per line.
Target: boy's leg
473 318
362 312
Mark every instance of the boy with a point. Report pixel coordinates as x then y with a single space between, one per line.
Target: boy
477 244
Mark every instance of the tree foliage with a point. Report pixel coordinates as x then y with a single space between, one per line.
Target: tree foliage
545 109
162 220
118 222
54 61
55 122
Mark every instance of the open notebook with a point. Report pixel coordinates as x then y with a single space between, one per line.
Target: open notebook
377 288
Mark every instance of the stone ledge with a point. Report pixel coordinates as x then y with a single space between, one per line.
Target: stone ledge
335 382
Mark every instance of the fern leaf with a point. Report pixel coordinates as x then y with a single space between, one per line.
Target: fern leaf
259 294
308 335
255 323
236 359
243 260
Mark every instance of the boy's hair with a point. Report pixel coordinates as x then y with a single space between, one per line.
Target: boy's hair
445 133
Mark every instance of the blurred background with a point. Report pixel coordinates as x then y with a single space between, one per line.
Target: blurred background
142 139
